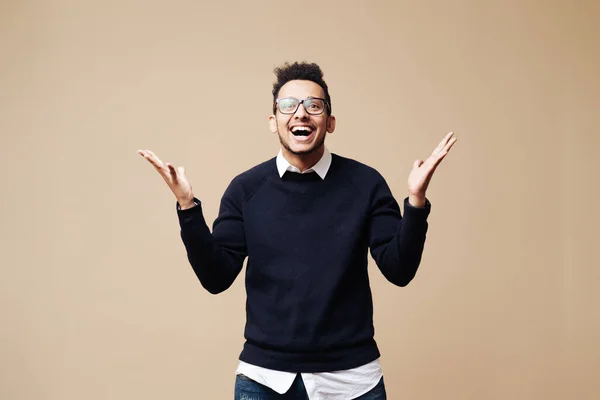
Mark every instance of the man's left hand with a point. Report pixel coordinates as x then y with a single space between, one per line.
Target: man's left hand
420 176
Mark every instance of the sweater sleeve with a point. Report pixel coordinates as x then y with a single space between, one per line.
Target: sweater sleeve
216 257
396 242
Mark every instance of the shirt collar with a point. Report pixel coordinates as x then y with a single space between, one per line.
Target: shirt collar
321 167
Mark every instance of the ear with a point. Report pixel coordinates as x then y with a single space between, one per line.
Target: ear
331 124
273 123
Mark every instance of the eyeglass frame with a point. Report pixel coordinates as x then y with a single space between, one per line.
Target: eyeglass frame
276 105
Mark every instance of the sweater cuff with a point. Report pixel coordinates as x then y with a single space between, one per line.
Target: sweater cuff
416 213
190 214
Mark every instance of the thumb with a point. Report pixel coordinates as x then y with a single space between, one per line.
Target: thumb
172 172
417 163
181 171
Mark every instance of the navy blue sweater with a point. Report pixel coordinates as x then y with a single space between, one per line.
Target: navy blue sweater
309 306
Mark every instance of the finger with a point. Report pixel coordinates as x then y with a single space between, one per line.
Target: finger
446 149
431 163
181 171
172 172
143 153
151 157
450 144
437 159
443 143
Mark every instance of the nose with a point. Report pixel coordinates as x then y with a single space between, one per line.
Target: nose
301 112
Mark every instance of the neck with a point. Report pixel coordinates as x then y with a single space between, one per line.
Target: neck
303 161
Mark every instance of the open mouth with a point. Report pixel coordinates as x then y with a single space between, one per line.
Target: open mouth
301 130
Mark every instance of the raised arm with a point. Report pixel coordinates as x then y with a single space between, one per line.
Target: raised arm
216 257
397 242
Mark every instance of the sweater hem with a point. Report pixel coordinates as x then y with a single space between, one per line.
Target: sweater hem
313 362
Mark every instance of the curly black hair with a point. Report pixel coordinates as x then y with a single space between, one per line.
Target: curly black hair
299 71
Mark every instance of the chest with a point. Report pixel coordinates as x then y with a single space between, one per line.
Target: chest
307 221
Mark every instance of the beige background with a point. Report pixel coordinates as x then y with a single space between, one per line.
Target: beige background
97 300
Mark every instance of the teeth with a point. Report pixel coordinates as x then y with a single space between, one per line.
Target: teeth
301 128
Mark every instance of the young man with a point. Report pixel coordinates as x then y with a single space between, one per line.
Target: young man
306 220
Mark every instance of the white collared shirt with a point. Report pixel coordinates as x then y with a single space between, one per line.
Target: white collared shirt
321 167
335 385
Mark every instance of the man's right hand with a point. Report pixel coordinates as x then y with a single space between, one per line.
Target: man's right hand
175 178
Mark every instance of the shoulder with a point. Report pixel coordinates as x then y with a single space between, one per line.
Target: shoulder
368 182
248 181
358 172
365 179
257 172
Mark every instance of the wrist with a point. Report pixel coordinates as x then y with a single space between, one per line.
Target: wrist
416 200
186 204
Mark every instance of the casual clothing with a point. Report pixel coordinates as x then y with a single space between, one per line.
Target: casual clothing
246 388
307 236
338 385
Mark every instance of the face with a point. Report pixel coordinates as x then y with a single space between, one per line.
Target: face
302 133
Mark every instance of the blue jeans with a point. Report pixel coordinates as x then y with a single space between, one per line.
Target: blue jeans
247 389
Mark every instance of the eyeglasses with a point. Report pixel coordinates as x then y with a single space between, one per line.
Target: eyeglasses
312 105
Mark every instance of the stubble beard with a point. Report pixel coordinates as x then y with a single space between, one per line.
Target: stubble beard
311 150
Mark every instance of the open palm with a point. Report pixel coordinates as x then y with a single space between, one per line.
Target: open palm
422 172
174 177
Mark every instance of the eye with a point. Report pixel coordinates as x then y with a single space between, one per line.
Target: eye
315 105
287 104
